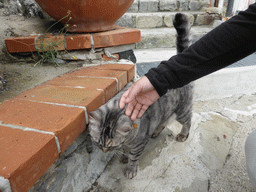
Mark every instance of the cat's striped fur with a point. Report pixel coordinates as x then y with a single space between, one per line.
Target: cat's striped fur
111 129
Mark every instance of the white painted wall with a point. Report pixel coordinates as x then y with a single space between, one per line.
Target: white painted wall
241 5
238 81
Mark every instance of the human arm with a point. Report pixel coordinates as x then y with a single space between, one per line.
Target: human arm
224 45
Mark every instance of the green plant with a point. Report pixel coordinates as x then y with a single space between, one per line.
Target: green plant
48 50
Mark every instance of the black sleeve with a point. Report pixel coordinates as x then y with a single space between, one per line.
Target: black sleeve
224 45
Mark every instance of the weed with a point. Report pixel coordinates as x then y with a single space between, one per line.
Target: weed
47 46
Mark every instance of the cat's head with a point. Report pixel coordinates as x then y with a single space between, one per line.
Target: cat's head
109 127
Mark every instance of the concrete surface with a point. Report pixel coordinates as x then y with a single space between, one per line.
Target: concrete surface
212 159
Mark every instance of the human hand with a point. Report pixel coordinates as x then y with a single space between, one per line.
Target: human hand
139 97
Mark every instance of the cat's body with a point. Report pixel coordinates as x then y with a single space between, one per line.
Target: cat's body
111 129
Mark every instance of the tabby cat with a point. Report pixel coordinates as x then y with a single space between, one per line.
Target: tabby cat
110 129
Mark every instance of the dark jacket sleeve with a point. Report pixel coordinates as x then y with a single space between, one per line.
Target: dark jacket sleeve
224 45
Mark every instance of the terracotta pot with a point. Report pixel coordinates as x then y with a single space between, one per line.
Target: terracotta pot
87 15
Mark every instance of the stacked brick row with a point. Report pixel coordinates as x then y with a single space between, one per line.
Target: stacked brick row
40 124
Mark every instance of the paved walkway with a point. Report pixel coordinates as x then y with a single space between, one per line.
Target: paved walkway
147 59
211 159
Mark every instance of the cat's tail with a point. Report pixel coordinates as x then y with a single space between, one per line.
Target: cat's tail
183 28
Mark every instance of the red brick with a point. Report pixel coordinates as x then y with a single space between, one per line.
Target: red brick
121 76
129 68
50 42
67 123
21 44
25 156
106 58
91 99
78 41
109 86
119 36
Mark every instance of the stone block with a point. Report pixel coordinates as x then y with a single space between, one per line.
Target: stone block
204 19
191 19
195 6
198 5
148 6
168 20
134 8
212 141
126 21
215 10
183 5
168 5
157 41
149 21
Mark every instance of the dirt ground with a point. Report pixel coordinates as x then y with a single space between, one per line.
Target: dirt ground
17 71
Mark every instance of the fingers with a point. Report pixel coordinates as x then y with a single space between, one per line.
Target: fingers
122 101
136 108
133 92
142 111
130 108
136 111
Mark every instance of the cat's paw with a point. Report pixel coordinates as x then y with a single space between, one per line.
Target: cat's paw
131 172
181 138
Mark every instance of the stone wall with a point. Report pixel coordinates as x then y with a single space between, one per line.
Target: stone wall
168 5
24 7
31 8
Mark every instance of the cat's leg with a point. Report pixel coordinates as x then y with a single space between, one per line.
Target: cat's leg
123 155
162 126
186 124
135 153
157 131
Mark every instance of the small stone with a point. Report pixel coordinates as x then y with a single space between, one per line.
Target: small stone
198 5
1 5
149 21
184 5
135 7
204 19
168 20
168 5
148 6
126 21
213 10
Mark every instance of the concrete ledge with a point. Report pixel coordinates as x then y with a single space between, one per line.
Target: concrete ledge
226 82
